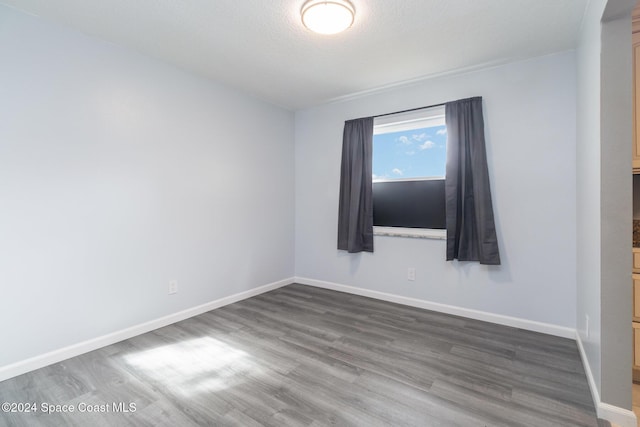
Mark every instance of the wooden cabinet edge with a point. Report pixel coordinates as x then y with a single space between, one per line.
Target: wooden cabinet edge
635 266
636 350
636 297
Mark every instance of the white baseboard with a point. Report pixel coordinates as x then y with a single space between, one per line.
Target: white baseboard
40 361
530 325
614 414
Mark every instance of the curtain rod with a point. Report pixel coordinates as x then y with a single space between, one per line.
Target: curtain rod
405 111
410 109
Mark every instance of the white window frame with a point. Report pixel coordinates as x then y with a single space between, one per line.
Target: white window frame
417 119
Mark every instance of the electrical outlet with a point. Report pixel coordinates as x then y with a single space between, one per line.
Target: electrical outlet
411 274
173 287
586 318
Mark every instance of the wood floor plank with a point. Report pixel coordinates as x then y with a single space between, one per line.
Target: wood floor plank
305 356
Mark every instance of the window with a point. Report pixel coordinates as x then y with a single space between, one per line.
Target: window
409 162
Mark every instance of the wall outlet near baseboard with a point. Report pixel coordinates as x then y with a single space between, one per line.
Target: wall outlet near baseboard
411 274
173 287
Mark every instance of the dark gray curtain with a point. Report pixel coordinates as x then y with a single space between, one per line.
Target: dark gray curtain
355 211
471 231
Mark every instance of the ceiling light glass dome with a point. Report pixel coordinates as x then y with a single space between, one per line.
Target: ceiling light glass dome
327 16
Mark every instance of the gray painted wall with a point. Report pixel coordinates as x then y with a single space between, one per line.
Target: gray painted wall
531 144
616 211
604 197
119 173
588 185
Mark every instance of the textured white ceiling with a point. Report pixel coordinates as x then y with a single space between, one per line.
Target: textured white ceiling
261 47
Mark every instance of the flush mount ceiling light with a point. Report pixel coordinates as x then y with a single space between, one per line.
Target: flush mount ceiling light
327 16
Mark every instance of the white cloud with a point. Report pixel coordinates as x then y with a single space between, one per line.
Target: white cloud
426 145
410 153
397 171
442 131
403 139
420 137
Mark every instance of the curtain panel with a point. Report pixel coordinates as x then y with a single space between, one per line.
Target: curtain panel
355 211
471 231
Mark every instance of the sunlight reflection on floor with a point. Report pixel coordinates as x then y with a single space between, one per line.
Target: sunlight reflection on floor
196 365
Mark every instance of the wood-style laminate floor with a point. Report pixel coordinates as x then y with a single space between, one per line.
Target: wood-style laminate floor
302 356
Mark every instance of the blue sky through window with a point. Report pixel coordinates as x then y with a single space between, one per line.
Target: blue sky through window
416 153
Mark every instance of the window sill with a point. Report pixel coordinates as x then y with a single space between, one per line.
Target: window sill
416 233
